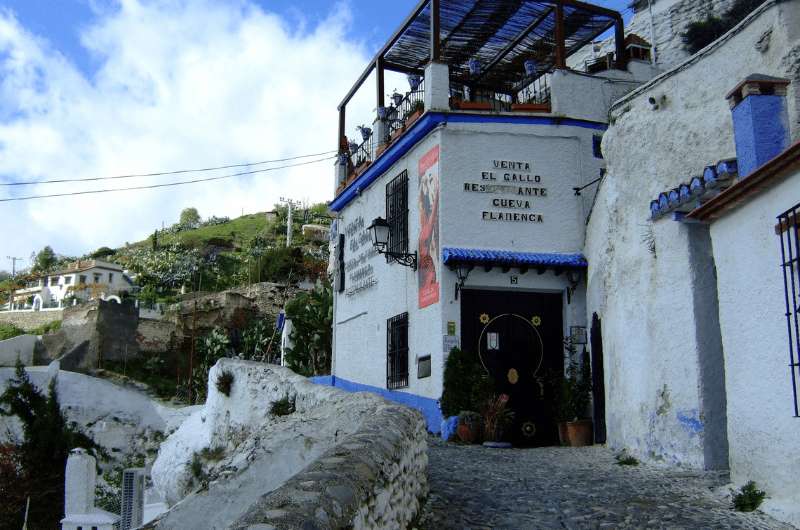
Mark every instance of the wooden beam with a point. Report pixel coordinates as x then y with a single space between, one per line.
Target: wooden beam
436 27
561 45
619 42
380 93
340 140
394 67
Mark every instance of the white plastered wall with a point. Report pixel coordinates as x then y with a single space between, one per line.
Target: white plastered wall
762 431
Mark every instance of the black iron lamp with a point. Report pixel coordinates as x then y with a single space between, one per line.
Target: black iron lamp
380 241
462 272
380 234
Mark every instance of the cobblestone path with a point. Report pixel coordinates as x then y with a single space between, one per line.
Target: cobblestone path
559 487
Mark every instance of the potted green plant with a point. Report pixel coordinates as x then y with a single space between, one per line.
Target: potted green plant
497 418
579 376
416 110
470 425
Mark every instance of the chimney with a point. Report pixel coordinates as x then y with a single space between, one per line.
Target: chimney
81 477
760 120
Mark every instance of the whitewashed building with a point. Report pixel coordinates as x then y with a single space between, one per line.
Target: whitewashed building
480 173
700 366
83 280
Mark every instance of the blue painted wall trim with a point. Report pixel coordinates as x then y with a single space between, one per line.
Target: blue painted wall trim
427 406
761 131
428 122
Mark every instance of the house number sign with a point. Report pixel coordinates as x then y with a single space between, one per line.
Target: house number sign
519 187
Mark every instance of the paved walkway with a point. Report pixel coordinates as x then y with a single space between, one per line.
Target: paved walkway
559 487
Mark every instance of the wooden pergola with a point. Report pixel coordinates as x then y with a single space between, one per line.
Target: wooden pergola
499 34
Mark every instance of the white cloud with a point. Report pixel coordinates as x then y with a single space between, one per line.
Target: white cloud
180 84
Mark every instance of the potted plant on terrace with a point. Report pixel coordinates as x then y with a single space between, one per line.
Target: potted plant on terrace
416 110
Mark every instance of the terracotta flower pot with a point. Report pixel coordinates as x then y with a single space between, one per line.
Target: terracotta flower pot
467 433
580 433
563 435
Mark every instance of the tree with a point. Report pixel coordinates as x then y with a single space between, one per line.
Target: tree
4 275
190 217
47 441
45 260
102 252
312 331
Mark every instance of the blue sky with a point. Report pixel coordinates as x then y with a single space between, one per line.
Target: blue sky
61 21
93 88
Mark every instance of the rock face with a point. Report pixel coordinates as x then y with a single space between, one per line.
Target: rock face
223 463
93 332
123 421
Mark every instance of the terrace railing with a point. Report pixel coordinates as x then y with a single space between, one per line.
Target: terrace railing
407 110
362 155
534 92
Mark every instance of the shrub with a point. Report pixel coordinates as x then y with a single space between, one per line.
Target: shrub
9 331
467 387
197 468
225 382
748 498
44 329
214 454
624 459
312 331
701 33
283 407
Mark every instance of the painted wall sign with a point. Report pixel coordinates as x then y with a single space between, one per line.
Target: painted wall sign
451 327
514 178
429 228
360 273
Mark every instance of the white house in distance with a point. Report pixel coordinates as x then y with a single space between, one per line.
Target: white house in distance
475 171
84 280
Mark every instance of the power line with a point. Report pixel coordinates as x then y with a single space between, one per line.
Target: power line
178 172
167 184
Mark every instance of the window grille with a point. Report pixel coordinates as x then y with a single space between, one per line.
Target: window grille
397 214
397 352
788 230
339 275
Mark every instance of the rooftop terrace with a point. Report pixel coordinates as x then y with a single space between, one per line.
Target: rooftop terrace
496 55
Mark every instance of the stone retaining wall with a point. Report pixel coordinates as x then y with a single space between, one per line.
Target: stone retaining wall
376 478
30 320
21 348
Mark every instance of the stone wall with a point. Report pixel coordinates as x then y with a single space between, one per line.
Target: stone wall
155 336
21 348
30 320
375 478
367 453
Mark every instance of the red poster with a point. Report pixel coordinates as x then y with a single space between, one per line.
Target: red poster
429 228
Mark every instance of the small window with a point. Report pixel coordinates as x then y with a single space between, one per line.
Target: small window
110 277
96 278
82 279
397 214
67 280
397 352
597 145
45 281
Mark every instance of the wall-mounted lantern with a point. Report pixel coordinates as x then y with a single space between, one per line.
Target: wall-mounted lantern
380 241
462 273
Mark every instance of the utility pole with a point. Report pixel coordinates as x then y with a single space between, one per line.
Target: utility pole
289 203
14 264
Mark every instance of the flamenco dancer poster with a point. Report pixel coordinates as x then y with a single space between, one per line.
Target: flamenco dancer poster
429 228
